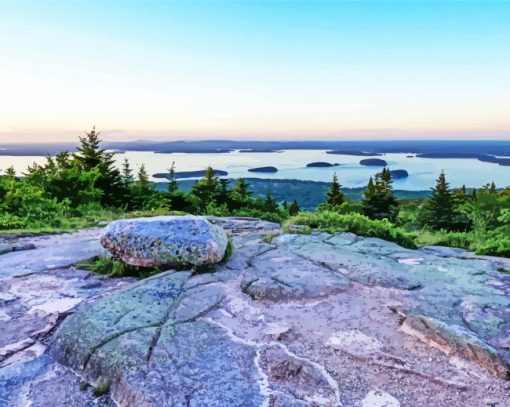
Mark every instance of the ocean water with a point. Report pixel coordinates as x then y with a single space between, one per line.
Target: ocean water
291 164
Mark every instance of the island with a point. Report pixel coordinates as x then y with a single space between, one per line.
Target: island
264 169
190 174
396 174
320 164
354 152
374 162
259 150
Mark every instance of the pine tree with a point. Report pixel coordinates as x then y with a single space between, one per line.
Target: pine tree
10 172
241 189
270 205
172 181
142 178
439 209
460 198
224 192
127 173
91 156
386 177
379 202
294 208
206 190
334 197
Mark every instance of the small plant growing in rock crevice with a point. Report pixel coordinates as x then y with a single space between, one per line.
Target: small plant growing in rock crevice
111 267
101 389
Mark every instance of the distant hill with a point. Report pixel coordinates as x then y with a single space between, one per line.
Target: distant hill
309 194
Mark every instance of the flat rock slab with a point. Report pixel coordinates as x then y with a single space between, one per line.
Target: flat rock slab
51 252
291 320
39 287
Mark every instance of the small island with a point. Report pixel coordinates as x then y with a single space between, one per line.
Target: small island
320 164
190 174
374 162
354 152
397 174
264 169
259 150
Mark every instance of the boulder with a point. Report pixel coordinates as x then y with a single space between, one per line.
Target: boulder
172 241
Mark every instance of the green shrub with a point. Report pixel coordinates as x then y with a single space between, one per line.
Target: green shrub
358 224
464 240
111 267
275 217
8 221
497 243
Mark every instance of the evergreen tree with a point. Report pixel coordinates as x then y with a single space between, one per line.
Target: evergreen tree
91 156
224 192
386 177
240 196
439 209
127 173
334 197
10 172
142 178
294 208
241 189
270 205
379 202
461 221
206 190
172 181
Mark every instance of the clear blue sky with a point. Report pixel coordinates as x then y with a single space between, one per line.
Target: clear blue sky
275 69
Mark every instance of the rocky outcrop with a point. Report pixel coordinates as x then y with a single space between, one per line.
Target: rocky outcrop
173 241
287 320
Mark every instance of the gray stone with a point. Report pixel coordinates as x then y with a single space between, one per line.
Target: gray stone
173 241
279 276
309 320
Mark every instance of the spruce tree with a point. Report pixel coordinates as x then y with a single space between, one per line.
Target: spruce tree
439 209
10 172
206 190
142 178
127 173
379 202
270 205
294 208
172 181
334 197
241 189
91 156
224 192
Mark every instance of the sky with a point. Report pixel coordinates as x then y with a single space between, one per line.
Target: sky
254 69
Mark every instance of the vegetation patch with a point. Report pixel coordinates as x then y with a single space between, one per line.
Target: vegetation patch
358 224
83 189
101 389
111 267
